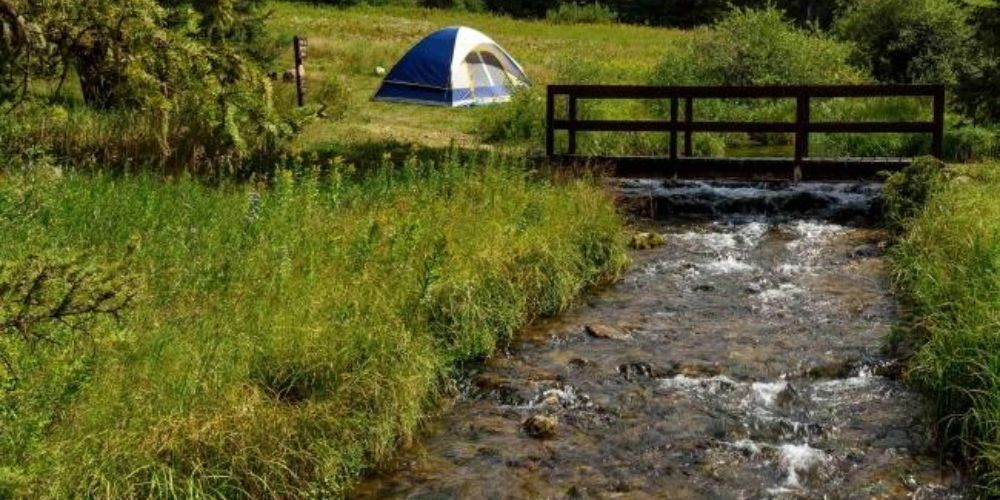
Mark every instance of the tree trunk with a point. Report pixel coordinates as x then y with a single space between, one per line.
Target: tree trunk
98 76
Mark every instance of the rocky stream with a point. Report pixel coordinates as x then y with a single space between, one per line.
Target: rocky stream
744 358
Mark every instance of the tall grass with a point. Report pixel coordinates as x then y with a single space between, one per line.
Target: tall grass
948 263
289 334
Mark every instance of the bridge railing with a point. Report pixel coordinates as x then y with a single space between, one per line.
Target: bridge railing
802 127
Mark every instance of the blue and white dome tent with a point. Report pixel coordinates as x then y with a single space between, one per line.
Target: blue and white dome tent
454 66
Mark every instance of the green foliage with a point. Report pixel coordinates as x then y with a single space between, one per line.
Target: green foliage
466 5
183 74
522 119
587 13
981 85
908 191
948 265
909 41
971 144
757 47
291 332
42 298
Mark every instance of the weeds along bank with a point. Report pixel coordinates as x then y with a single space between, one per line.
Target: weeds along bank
273 339
948 264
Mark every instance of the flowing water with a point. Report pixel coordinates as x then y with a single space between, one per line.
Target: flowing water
745 360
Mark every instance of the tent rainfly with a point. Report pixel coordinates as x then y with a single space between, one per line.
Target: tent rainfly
455 66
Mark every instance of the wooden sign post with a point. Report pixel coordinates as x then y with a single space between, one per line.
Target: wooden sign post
301 46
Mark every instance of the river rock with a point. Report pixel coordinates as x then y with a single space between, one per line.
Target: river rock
866 251
602 331
540 426
645 241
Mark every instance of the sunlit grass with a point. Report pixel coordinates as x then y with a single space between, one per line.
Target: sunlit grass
289 334
948 263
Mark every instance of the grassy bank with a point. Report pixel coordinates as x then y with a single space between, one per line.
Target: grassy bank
948 265
281 336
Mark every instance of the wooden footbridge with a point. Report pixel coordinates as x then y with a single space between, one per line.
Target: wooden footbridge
680 162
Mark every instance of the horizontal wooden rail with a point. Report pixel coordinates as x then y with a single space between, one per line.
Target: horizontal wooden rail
802 126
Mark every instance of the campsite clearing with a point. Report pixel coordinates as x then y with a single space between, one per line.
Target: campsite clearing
346 45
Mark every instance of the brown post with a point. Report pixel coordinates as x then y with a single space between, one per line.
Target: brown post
801 129
937 142
572 125
300 46
673 129
550 139
688 118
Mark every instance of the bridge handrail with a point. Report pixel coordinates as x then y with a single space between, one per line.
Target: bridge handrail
801 127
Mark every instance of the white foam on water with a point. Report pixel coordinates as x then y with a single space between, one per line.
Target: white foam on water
766 393
799 459
715 241
751 233
710 385
748 446
728 264
783 293
787 269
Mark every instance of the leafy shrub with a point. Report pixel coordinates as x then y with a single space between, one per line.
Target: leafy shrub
587 13
181 81
521 119
979 88
908 191
754 47
909 41
757 47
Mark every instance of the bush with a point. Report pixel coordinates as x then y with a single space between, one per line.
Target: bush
909 41
182 83
521 119
754 47
758 47
908 191
574 13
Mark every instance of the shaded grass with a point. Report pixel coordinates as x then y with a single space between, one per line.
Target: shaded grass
290 333
948 263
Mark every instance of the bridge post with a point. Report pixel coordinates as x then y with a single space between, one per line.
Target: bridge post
937 141
688 118
801 131
550 139
673 129
572 124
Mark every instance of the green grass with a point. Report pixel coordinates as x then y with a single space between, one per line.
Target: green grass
948 265
278 347
346 45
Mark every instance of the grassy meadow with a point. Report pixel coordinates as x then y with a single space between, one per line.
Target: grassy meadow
346 45
205 292
282 337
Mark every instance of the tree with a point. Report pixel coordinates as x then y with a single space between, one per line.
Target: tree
910 41
192 67
980 84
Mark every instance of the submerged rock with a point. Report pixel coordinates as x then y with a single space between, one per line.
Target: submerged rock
540 426
645 241
606 332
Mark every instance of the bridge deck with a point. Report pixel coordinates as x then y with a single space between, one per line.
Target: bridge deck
776 169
